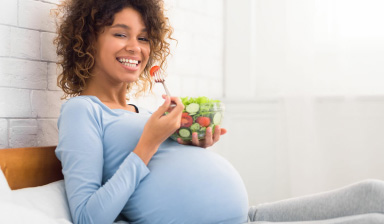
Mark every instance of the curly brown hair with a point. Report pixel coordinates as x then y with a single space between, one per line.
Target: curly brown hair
79 22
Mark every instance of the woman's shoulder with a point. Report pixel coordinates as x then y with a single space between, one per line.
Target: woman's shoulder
81 105
80 110
82 102
92 103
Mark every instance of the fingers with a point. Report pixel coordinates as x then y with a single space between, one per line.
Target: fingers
180 141
164 107
195 139
171 106
172 103
216 135
206 142
175 111
183 142
210 137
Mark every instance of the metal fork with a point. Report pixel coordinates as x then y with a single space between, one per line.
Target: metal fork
159 78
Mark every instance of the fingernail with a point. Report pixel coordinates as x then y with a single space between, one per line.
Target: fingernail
209 129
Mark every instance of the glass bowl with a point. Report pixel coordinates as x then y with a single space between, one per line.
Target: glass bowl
197 117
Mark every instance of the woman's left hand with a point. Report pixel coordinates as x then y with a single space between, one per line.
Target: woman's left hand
209 140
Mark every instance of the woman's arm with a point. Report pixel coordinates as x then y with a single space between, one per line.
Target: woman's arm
159 127
80 150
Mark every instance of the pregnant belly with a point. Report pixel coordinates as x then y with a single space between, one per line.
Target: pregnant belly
188 185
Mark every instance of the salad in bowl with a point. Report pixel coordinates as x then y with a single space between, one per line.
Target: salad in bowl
198 114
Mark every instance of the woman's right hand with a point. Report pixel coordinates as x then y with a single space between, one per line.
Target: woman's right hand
159 127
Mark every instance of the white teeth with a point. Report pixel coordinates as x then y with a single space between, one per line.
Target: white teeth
122 60
129 65
128 62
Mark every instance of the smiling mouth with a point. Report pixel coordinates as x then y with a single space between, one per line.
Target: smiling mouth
128 62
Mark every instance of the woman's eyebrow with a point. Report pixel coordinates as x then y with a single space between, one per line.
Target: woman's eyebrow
126 27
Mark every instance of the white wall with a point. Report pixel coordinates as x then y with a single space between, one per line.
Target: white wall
318 47
29 98
305 97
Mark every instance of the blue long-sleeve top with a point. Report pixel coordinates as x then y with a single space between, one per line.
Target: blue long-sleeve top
103 177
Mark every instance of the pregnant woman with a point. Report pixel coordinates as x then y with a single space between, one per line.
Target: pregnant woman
117 158
118 161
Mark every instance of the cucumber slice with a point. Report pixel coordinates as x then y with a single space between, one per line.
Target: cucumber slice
216 119
184 132
195 127
192 108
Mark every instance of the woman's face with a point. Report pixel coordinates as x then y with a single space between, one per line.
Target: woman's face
123 48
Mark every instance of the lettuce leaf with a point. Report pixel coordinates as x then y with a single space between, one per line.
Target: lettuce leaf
199 100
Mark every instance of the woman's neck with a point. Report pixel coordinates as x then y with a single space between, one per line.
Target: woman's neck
112 96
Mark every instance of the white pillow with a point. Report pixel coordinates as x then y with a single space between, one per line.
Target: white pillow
3 182
40 205
15 214
49 199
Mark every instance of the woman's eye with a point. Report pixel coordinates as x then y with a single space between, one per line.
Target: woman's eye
143 39
119 35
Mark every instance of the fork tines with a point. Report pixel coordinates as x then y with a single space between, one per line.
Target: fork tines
158 76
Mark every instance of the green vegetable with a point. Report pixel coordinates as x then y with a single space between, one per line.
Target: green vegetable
195 127
217 118
199 107
192 108
205 107
184 132
199 100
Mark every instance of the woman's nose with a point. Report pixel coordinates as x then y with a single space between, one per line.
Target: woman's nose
132 45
